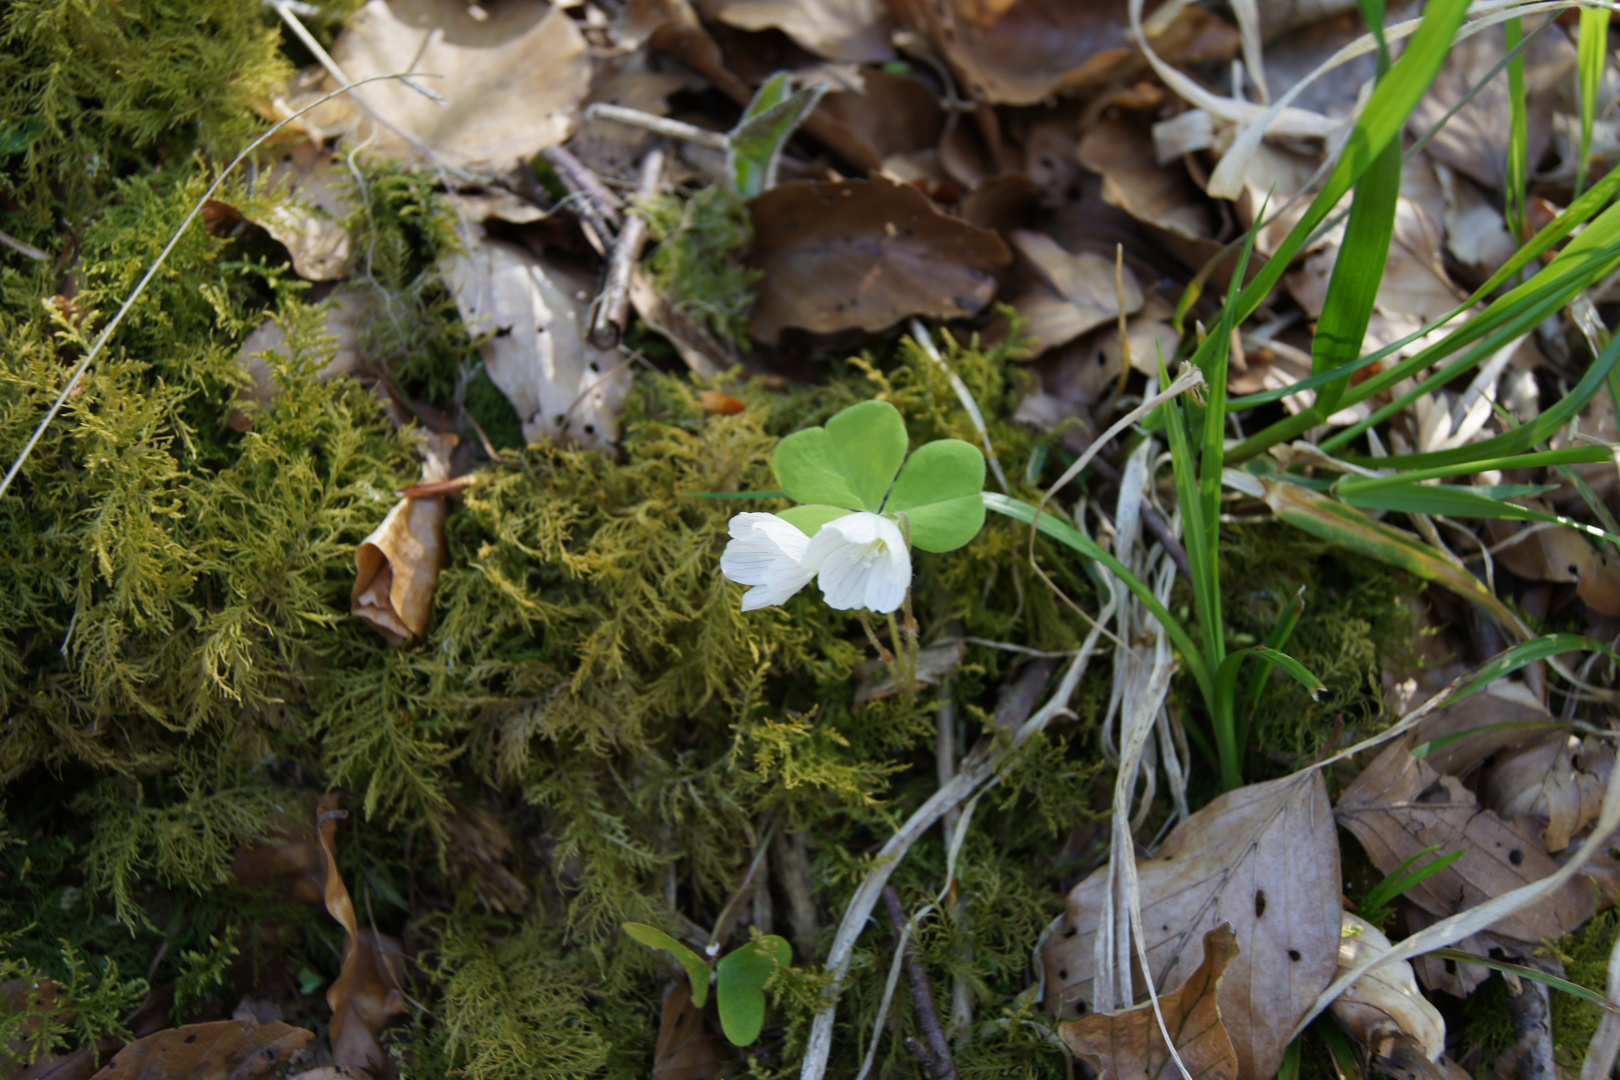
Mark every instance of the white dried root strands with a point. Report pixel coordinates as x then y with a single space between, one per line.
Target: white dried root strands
1384 1009
397 566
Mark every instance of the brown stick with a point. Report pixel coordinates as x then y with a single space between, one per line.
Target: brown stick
935 1051
613 306
598 208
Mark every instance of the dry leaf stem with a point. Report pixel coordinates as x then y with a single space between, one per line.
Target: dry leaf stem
613 306
935 1052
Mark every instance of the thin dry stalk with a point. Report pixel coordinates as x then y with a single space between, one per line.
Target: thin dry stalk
598 208
935 1051
613 306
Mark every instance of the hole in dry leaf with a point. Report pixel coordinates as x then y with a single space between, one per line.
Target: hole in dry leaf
1451 967
1063 973
1516 857
590 429
1259 903
190 1039
1293 954
1073 930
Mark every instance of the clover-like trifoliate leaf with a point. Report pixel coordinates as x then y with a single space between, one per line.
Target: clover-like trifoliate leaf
696 969
850 462
740 989
939 493
810 519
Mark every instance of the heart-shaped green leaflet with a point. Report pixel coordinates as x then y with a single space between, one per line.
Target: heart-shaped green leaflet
850 462
696 969
740 989
939 493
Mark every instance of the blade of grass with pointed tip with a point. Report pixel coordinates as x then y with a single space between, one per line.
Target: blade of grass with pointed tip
1228 744
1277 639
696 969
1526 653
1540 459
1424 749
1374 906
1463 502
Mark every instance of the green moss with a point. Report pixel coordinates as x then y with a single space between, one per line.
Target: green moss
698 261
1586 963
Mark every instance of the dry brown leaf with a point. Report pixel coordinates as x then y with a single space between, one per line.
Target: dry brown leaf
368 993
1385 1002
1474 141
611 148
687 1048
1399 806
514 80
309 222
1557 779
705 353
562 387
1558 553
397 566
1264 858
854 31
864 254
894 116
1069 293
1503 715
1129 1044
1163 196
1019 52
222 1050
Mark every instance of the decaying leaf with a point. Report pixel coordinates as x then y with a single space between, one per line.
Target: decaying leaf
864 254
1385 1003
310 223
854 31
1018 52
1558 553
513 79
1130 1044
397 566
896 117
369 992
1557 779
1264 858
1069 293
561 386
1399 806
687 1048
222 1050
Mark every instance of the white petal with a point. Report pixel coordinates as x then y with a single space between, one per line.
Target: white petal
862 562
765 552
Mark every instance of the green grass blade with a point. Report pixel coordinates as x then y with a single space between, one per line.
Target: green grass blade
1525 653
1064 533
1424 749
1462 502
1199 557
1277 639
1518 165
1357 271
1592 53
1525 972
1574 455
1374 906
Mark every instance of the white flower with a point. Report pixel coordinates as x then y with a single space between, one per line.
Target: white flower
767 553
861 561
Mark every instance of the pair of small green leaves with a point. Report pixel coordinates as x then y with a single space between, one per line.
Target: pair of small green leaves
739 978
754 146
855 463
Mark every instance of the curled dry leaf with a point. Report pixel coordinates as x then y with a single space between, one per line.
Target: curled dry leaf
222 1050
514 80
1019 52
397 566
854 31
1385 1003
1068 293
1399 806
309 223
1130 1043
894 116
1264 858
864 254
1557 779
561 386
368 992
687 1047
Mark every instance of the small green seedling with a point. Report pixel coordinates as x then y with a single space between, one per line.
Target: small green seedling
739 977
754 146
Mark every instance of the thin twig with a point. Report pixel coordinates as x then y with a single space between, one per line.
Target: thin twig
613 305
598 207
22 248
660 125
935 1053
